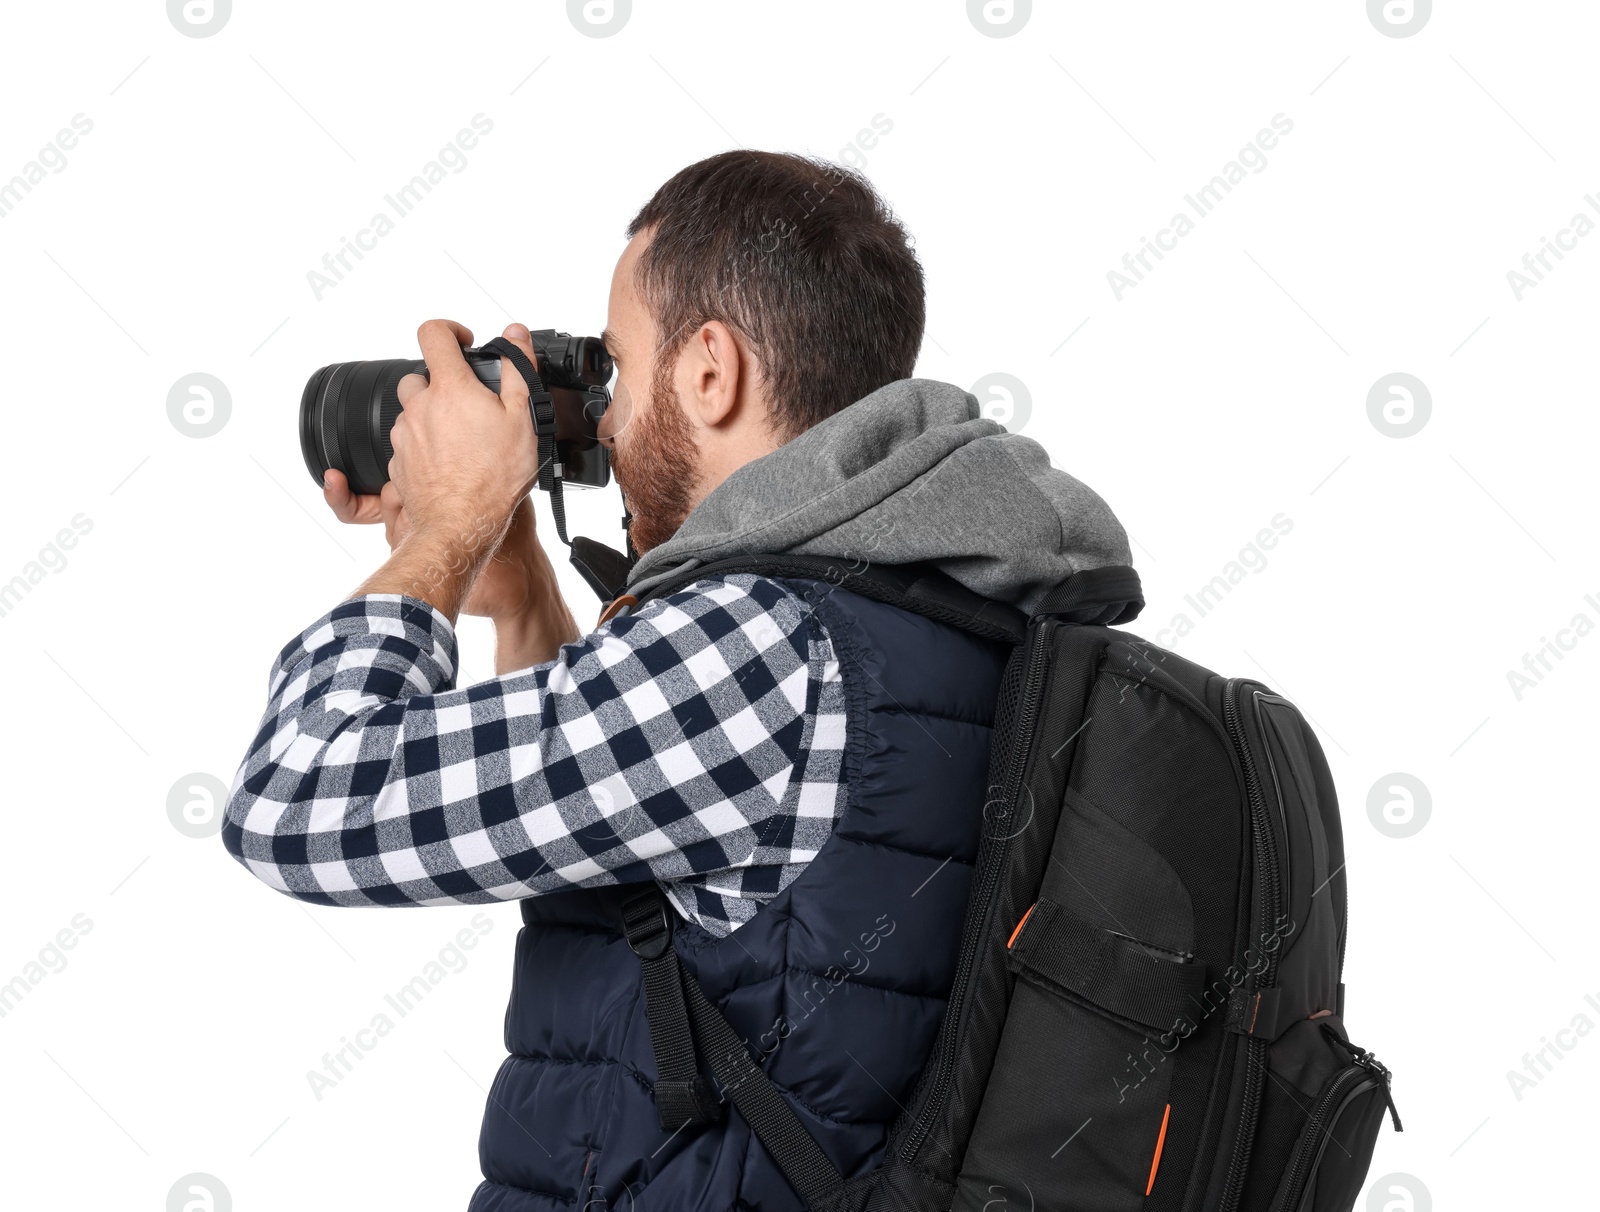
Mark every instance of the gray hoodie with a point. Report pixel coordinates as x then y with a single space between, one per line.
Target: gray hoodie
909 473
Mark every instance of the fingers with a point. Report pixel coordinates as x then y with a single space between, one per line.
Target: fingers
346 505
409 386
513 389
395 522
441 342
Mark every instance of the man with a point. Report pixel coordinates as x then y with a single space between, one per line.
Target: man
799 768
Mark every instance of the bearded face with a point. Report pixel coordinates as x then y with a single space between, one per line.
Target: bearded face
656 462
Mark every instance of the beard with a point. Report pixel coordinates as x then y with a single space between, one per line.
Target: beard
657 463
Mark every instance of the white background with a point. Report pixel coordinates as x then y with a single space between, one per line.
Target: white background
1228 387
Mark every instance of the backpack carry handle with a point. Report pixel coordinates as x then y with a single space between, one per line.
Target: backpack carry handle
1099 597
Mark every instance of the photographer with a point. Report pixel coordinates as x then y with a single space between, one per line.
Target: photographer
799 768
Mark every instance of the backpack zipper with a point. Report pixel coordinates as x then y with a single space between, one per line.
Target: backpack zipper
989 867
1365 1069
1317 1126
1264 847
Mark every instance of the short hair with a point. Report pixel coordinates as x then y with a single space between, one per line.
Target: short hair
800 256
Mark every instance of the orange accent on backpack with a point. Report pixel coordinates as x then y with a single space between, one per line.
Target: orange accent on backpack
1155 1162
1018 930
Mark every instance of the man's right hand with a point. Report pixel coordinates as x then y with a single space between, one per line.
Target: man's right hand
517 586
514 575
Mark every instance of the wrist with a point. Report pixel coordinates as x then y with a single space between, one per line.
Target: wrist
435 564
439 563
534 633
541 607
461 535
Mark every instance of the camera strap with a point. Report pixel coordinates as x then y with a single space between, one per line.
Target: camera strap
603 569
543 409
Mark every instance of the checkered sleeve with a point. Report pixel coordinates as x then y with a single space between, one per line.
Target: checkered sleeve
669 744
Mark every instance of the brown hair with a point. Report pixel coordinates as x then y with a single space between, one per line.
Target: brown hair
803 258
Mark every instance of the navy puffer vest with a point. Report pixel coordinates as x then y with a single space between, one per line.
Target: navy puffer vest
837 985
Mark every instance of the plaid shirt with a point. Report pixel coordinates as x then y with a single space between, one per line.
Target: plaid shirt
697 742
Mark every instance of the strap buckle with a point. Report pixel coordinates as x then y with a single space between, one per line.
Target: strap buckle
686 1102
544 419
647 924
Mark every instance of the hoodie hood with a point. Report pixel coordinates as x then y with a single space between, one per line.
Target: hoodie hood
910 473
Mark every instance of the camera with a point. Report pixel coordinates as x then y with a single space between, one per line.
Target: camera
349 408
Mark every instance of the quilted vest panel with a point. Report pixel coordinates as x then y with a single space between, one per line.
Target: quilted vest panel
837 985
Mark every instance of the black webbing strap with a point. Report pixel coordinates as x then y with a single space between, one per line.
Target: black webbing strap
542 406
916 587
1106 596
681 1093
1134 981
647 921
803 1163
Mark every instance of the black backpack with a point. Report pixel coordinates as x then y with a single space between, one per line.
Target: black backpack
1147 1013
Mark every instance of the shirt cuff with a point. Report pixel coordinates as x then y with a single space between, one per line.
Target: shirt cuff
426 638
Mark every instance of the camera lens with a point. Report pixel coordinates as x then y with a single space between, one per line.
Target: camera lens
346 413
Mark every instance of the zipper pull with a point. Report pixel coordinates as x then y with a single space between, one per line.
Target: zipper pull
1360 1056
1371 1063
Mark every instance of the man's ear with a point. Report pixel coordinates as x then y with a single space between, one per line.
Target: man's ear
710 374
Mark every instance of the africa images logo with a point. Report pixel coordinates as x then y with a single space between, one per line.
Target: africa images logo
999 18
599 18
199 18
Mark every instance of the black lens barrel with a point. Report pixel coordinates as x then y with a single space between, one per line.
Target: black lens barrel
346 413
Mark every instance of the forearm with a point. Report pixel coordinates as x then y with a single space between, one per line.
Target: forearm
437 567
534 634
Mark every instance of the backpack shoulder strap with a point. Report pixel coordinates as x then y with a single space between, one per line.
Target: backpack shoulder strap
1103 596
684 1022
916 587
